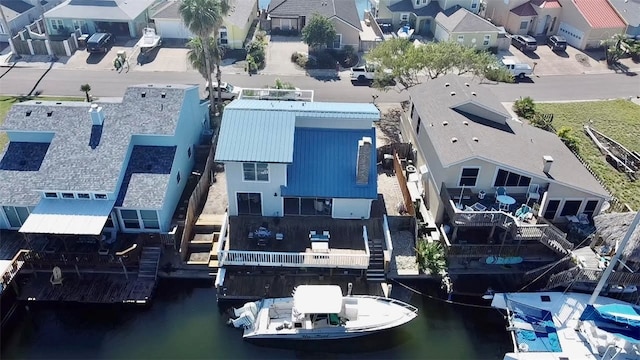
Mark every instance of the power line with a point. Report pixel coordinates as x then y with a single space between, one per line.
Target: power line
443 300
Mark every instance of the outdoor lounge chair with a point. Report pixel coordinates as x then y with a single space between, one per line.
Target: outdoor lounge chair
533 192
524 212
56 276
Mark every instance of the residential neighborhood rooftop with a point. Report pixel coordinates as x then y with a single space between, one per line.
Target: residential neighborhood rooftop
407 6
13 8
462 20
108 9
239 11
629 10
599 13
525 10
469 122
343 9
74 154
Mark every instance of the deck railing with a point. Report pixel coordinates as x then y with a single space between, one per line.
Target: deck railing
333 259
12 270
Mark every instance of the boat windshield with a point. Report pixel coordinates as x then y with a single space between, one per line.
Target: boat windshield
229 88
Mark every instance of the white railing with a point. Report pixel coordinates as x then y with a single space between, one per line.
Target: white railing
365 237
387 234
222 240
333 259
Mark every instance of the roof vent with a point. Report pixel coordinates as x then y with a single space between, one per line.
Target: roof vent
547 161
475 139
143 94
97 116
466 123
163 94
447 84
452 93
445 123
49 113
28 113
466 84
168 86
58 103
474 93
150 85
454 140
38 102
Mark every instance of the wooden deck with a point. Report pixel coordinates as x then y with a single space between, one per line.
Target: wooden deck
91 288
255 285
345 234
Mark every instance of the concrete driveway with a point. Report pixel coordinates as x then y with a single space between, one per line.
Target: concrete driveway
279 53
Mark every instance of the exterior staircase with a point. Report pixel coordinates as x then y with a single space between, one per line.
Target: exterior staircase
563 279
149 260
375 271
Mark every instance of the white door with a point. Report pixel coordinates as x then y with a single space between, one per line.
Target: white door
573 35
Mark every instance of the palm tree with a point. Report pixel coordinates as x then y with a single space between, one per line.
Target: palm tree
195 55
204 18
86 88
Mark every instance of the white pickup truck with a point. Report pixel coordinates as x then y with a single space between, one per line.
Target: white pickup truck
517 69
363 73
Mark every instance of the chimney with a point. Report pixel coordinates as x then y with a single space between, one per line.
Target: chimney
363 162
548 160
97 116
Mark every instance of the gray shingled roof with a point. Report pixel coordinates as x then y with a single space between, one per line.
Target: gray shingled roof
512 144
69 162
123 10
240 12
462 20
629 10
342 9
13 8
407 6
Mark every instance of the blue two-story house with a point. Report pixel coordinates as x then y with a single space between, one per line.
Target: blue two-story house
74 168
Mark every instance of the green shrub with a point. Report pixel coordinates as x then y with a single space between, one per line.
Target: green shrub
430 257
525 107
500 75
300 59
261 36
568 138
256 49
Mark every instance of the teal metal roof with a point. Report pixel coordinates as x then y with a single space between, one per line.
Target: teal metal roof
263 131
324 164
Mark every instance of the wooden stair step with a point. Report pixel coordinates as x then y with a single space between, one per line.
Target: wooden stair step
210 220
214 264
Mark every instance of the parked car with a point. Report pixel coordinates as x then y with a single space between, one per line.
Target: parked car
99 42
229 92
365 72
524 42
557 43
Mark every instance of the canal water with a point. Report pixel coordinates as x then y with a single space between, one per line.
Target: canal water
185 322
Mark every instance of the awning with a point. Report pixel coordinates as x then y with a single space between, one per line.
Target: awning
68 217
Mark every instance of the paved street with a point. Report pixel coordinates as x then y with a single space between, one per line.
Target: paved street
108 83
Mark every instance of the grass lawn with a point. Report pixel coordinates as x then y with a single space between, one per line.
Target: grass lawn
7 101
619 120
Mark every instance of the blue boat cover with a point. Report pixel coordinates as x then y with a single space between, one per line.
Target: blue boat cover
619 319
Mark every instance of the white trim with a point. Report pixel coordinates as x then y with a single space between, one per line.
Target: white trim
141 228
545 205
255 169
408 15
564 201
333 42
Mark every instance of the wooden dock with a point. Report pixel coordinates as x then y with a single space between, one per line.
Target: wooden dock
91 288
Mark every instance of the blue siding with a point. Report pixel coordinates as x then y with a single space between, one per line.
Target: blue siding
324 164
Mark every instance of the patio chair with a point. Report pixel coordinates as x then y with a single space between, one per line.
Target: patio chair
500 190
523 212
533 192
56 276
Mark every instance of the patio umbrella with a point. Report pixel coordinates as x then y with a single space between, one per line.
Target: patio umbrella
612 228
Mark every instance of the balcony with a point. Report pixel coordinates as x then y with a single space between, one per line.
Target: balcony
347 247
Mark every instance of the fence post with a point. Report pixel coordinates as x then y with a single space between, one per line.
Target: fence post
47 44
29 43
67 50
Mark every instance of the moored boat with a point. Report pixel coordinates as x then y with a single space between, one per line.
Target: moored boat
317 312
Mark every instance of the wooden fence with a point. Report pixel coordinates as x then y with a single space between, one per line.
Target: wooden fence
26 45
195 201
402 181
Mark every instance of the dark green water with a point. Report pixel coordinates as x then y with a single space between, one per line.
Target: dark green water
185 322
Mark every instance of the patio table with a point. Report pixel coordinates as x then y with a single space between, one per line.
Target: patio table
505 201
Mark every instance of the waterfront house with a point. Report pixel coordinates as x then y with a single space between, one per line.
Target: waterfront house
233 34
474 152
584 23
302 189
292 16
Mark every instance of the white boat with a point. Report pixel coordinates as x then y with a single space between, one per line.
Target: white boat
563 326
405 32
149 40
317 312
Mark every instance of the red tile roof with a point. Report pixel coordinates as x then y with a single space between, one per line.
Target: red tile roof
599 14
524 10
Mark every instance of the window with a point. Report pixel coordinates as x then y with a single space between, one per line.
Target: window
130 219
249 203
404 17
83 196
590 208
474 5
524 25
469 177
57 24
255 171
12 216
150 219
551 209
51 195
486 40
417 2
178 177
100 196
68 196
418 126
571 207
223 36
337 42
506 178
460 38
80 24
189 152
